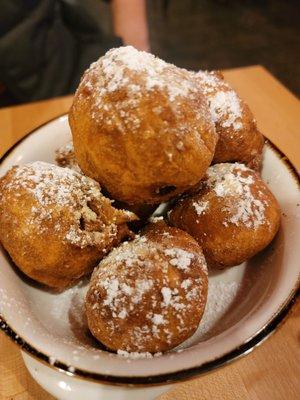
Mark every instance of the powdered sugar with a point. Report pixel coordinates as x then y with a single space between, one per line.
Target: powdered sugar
225 107
126 86
126 291
134 355
158 319
234 181
224 103
220 297
180 258
200 206
117 291
51 185
167 295
118 62
112 290
186 283
62 198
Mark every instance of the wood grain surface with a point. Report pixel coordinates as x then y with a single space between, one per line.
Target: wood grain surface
270 372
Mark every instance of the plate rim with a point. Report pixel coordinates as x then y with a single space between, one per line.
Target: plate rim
167 378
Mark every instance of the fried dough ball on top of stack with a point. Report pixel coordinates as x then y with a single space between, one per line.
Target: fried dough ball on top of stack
233 216
239 138
141 127
55 223
148 295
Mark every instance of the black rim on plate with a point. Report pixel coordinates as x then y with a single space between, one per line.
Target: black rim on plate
172 377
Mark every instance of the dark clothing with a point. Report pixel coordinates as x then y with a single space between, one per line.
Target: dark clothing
45 45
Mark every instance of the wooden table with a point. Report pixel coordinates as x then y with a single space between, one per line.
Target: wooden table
272 371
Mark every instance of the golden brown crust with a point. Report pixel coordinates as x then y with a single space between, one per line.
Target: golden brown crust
148 295
239 138
143 131
55 223
233 216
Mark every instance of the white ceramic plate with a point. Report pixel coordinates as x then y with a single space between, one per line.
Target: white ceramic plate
245 303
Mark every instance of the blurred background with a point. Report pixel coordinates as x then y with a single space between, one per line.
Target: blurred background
45 45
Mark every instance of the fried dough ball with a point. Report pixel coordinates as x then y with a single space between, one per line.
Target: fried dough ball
148 295
141 127
239 138
56 224
233 216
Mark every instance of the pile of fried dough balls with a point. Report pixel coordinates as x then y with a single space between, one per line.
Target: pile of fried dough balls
144 132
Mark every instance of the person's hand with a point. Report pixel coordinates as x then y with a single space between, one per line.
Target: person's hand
130 22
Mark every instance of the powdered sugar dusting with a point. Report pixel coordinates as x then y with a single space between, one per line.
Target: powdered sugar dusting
138 273
224 104
126 85
134 355
63 197
200 206
117 62
221 296
167 295
180 258
158 319
115 289
235 180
